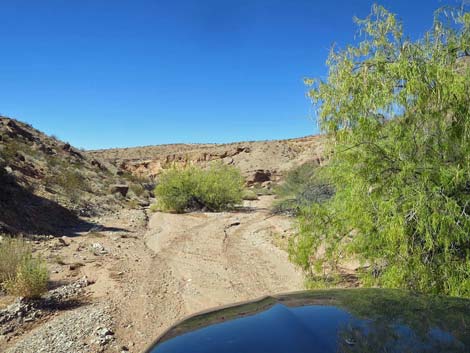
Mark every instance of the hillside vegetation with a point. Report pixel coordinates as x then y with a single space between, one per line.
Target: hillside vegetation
397 117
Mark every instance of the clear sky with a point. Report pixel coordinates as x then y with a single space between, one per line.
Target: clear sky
116 73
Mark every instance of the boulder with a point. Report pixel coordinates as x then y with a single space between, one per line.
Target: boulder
122 189
259 176
14 130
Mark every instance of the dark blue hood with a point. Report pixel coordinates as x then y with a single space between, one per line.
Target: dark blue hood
359 320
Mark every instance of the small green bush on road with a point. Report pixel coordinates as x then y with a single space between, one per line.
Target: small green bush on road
218 188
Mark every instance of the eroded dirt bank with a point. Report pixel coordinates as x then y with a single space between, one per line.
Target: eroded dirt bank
147 274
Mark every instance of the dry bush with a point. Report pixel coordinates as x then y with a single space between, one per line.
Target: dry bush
12 251
22 274
30 280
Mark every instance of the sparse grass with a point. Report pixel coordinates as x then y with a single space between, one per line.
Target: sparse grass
137 189
71 181
281 241
12 251
262 191
154 208
132 204
249 195
30 280
21 273
11 149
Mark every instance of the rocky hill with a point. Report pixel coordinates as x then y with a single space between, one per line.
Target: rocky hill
46 184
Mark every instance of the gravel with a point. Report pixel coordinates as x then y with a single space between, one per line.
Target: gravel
86 328
83 330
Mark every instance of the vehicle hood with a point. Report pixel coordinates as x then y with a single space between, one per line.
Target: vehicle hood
354 320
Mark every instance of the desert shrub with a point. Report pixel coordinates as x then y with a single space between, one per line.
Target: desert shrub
12 251
11 148
71 181
218 188
303 186
177 189
21 273
397 115
30 280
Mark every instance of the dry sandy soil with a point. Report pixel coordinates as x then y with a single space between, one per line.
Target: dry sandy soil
148 271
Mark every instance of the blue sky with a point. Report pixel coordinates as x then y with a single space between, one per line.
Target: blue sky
117 73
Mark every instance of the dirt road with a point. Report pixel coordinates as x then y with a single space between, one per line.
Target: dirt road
202 260
149 273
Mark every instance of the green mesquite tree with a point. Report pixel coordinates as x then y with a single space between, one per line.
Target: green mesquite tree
397 114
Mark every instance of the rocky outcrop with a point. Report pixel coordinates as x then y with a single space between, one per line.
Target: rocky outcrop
121 189
259 176
260 162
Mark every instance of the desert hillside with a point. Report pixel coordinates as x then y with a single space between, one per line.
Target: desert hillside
47 184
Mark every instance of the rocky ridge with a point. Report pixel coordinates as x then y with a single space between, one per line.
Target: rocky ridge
259 161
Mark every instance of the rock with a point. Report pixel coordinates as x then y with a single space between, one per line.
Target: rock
64 241
144 203
47 150
75 266
99 249
259 176
15 129
267 184
104 336
20 157
122 189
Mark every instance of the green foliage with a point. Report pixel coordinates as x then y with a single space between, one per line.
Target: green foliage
398 117
177 188
303 186
218 188
21 273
